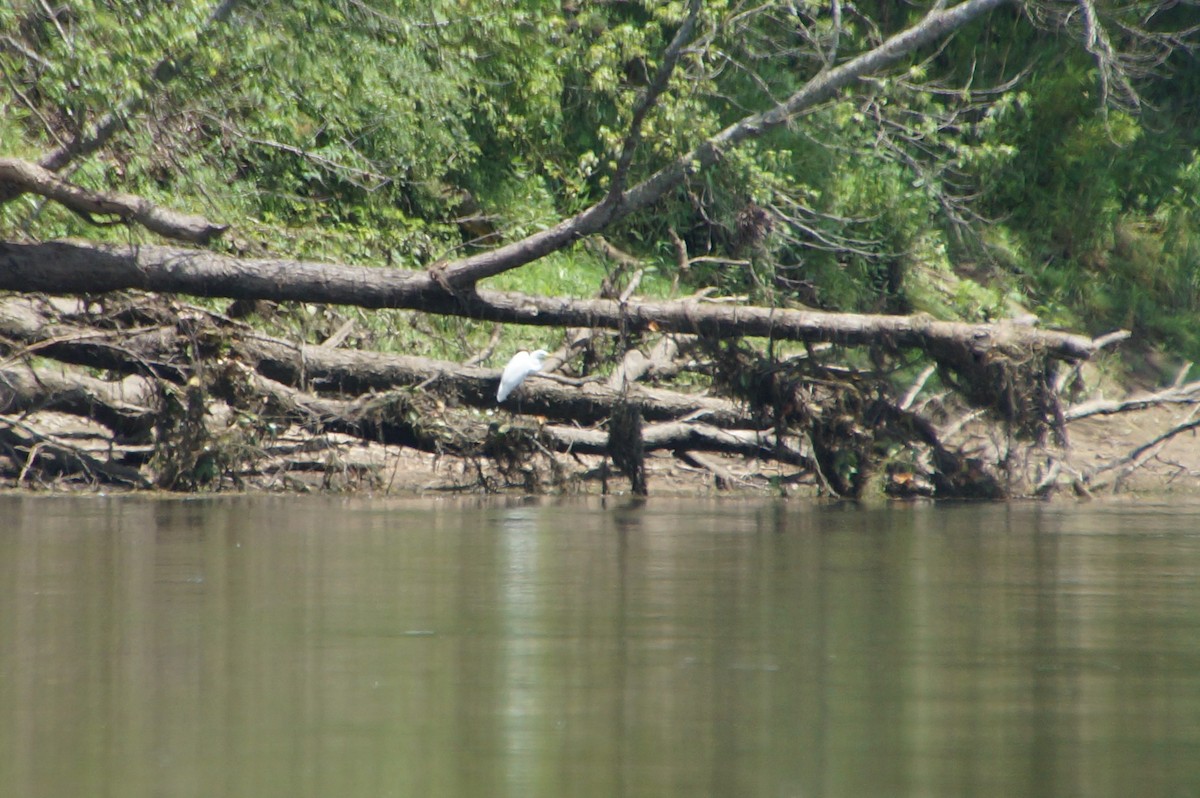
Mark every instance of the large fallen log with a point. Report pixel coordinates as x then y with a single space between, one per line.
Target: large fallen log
685 436
1008 368
77 268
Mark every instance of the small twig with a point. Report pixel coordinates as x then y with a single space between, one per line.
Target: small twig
342 333
1138 456
1180 394
486 352
916 387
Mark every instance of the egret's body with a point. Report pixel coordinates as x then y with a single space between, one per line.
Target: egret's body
523 364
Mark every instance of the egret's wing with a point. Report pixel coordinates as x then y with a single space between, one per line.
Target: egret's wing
510 378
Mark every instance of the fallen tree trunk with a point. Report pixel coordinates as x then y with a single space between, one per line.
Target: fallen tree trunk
77 268
685 436
352 371
22 390
29 329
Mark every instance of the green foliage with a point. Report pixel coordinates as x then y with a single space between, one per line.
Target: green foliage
370 130
1098 200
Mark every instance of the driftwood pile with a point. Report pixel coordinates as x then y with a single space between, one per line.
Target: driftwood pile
168 395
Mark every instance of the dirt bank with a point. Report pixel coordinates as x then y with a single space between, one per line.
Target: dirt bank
1108 449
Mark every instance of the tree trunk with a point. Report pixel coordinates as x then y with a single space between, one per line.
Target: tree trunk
76 268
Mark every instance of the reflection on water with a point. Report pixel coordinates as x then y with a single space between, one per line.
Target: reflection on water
320 647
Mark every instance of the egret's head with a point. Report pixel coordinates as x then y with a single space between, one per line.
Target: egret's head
540 354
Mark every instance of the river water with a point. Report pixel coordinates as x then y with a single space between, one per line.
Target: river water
327 647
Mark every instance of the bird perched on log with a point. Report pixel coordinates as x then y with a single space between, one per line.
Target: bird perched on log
523 364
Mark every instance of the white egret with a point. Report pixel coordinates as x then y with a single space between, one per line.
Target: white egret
523 364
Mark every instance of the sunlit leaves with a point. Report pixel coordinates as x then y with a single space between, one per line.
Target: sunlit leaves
354 128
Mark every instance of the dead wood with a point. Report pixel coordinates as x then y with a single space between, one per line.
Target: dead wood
23 390
423 404
168 352
268 380
354 372
634 365
679 436
1188 394
75 268
723 478
1116 471
193 357
400 419
199 358
22 176
1006 367
29 452
28 328
393 418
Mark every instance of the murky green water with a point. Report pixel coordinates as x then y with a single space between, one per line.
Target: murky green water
319 647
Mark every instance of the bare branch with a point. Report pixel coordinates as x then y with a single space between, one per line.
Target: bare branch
1176 395
23 390
466 272
657 86
1112 74
1135 459
28 177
